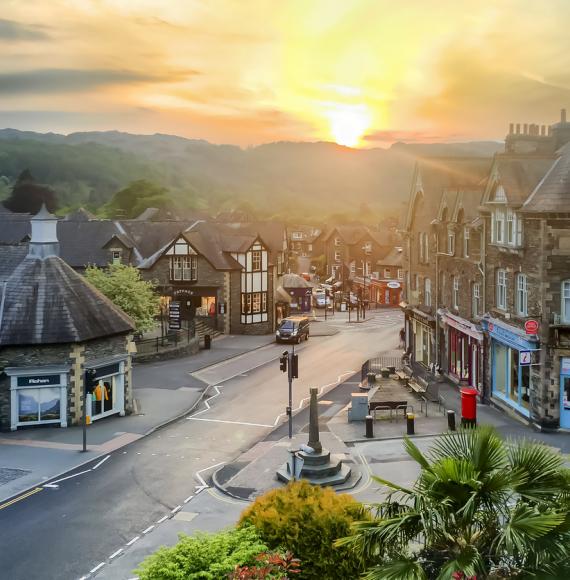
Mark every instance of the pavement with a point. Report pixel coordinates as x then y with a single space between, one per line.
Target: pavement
163 391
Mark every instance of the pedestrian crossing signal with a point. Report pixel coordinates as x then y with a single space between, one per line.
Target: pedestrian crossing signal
295 366
283 362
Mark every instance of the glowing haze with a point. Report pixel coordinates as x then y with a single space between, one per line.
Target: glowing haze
358 72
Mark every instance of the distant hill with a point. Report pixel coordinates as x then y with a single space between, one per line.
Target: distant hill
297 179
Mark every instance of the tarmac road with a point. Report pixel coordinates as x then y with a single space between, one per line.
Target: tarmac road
67 529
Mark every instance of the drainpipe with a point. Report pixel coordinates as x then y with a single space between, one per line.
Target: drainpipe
437 354
483 269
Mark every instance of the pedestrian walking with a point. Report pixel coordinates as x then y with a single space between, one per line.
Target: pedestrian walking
403 338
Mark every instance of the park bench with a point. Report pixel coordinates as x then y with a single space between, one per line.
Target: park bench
390 406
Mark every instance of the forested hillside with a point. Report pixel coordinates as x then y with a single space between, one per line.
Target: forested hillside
294 179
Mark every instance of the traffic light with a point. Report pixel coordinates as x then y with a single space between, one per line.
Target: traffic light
294 366
283 361
90 381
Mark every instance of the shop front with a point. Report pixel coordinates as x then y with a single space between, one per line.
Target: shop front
514 356
464 349
108 396
386 293
38 396
198 302
565 393
422 326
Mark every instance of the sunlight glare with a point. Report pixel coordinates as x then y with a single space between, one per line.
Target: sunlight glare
348 123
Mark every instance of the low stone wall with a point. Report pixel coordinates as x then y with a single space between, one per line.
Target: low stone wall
181 350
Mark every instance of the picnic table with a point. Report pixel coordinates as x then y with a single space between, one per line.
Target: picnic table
389 395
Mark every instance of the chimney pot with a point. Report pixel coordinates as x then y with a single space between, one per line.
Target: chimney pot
549 130
563 116
543 130
511 128
525 129
518 128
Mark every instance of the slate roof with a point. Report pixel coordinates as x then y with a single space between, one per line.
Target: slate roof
80 215
394 258
353 234
441 174
294 281
10 257
519 175
552 194
44 301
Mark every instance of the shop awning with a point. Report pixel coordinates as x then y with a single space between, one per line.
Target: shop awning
461 324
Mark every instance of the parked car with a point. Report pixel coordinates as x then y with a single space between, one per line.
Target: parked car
293 329
320 299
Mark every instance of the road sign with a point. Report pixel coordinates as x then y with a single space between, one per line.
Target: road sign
531 326
525 357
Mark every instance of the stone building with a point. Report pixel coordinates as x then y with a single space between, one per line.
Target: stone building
440 211
53 326
503 274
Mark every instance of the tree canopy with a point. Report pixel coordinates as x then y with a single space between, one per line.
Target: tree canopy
139 195
124 287
27 195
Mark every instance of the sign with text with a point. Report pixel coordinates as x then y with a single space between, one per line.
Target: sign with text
38 381
174 318
393 285
531 326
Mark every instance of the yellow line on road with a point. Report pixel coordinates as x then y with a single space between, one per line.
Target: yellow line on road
21 497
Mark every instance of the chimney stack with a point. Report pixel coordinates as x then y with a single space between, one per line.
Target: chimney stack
525 129
563 116
511 128
543 130
518 128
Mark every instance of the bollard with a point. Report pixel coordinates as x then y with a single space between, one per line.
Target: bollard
410 423
451 420
369 427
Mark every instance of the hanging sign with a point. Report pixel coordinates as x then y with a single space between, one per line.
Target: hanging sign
393 284
531 326
524 357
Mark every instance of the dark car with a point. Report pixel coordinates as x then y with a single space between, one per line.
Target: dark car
293 329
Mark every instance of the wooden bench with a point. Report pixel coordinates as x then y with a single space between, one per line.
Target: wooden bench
418 385
390 406
402 375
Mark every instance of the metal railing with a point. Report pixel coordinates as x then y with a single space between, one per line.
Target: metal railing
169 341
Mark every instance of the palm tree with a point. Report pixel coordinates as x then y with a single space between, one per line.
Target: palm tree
480 508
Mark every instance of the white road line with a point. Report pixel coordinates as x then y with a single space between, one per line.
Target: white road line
133 540
115 554
176 509
203 485
100 463
162 519
68 477
218 393
188 498
98 567
149 529
230 422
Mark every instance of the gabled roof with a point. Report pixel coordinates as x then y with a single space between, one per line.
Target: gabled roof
552 194
395 257
518 176
44 301
434 175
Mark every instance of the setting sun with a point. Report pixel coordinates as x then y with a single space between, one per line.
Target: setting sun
348 123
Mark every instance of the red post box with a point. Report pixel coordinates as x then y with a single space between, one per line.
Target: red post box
468 407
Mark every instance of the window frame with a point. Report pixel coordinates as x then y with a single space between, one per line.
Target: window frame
476 299
256 260
337 256
565 312
501 290
455 293
427 292
387 273
451 243
466 239
521 302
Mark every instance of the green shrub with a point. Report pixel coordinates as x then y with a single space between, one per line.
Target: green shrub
307 520
204 556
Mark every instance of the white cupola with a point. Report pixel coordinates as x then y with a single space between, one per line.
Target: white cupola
44 242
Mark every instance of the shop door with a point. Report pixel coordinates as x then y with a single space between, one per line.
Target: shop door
565 397
102 398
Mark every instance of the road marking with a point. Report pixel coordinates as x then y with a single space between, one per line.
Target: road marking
115 554
101 462
203 485
188 498
23 496
162 519
177 508
98 567
68 477
230 422
133 540
149 529
206 402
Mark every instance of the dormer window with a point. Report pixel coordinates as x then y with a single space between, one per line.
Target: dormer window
506 227
183 262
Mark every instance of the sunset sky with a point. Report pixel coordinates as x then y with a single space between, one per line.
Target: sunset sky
360 72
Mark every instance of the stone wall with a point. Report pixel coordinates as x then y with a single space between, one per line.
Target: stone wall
72 355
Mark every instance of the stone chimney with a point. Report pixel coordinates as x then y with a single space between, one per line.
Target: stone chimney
44 242
563 115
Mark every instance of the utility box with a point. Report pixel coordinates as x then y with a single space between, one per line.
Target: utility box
358 407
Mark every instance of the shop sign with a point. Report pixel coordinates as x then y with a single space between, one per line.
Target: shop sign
221 308
393 284
531 326
174 321
107 370
509 337
524 357
44 380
